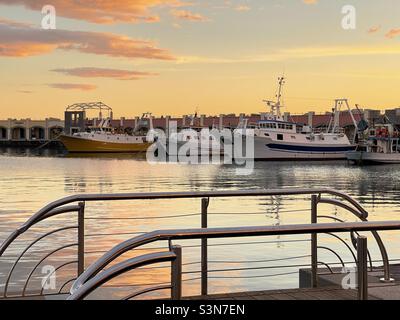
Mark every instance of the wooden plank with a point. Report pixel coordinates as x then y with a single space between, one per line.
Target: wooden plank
290 294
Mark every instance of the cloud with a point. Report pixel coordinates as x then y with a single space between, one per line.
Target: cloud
103 11
242 8
23 41
72 86
188 15
374 29
13 23
392 33
88 72
310 1
298 53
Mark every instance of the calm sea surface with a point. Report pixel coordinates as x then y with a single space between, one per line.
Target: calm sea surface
29 180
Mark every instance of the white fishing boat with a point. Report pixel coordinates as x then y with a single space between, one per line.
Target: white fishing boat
194 141
382 146
277 139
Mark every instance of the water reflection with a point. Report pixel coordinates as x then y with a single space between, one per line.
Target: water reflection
30 179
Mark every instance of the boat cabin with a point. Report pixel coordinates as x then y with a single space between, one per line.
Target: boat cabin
383 139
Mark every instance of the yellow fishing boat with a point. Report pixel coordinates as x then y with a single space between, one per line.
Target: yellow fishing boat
104 139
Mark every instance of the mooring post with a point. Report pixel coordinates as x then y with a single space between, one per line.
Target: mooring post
81 238
176 274
362 268
204 248
314 243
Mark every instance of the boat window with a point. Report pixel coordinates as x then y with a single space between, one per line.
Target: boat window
293 137
289 127
279 136
281 126
266 134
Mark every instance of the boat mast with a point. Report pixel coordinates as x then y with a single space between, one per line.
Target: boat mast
276 106
279 96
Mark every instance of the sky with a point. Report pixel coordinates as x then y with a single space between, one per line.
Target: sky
175 57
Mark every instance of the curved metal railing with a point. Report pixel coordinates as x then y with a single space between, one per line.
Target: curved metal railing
97 274
63 206
79 209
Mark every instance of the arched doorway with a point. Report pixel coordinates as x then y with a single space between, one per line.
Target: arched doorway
3 133
37 133
18 133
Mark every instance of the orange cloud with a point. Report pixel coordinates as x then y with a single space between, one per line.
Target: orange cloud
187 15
102 11
72 86
374 29
392 33
22 41
310 1
88 72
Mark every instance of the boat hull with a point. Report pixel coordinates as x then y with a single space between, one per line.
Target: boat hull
183 148
82 145
362 157
266 149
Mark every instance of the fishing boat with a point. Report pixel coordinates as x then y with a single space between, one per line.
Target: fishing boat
278 139
105 139
381 146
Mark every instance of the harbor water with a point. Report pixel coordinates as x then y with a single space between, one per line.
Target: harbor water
29 180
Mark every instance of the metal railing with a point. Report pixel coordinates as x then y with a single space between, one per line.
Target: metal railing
63 206
94 276
80 210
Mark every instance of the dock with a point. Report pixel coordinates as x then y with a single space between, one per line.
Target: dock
289 294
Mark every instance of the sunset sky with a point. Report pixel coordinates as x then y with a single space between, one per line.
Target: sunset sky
216 56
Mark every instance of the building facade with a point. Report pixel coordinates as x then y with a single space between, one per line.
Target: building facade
30 130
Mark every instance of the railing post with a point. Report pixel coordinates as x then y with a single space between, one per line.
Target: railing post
314 243
204 248
176 274
81 238
362 268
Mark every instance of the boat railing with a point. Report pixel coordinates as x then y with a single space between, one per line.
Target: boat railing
76 204
98 274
